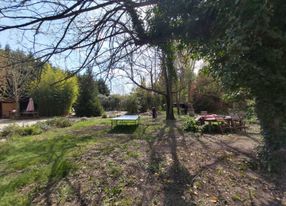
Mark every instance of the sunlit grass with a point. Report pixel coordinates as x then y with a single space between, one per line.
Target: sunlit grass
29 164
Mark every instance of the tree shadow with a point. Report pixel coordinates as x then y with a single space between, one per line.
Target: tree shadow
82 201
176 180
252 163
178 177
123 129
54 153
248 135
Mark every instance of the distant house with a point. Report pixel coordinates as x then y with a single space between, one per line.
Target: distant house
6 105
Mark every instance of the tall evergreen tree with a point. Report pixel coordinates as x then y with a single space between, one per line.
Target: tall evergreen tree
88 103
102 87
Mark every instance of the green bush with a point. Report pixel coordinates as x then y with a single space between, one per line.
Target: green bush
211 128
30 130
111 102
54 99
40 127
131 104
190 125
59 122
104 116
43 126
16 130
10 130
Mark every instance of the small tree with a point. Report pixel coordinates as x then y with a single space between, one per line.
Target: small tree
207 94
52 98
88 103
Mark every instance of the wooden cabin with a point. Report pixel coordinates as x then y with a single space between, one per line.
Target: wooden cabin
6 107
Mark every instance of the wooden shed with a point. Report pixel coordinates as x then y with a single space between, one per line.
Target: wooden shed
6 107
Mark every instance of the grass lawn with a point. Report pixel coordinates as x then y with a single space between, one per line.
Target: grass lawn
156 163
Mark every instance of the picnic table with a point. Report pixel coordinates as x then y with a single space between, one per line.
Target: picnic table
223 122
125 120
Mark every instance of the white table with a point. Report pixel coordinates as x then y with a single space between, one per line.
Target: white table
125 120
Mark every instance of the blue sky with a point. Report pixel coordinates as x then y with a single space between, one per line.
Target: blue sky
16 40
118 85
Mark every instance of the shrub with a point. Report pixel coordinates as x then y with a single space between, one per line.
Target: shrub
43 126
30 130
190 125
16 130
59 122
111 102
9 131
130 104
210 128
104 116
209 102
54 99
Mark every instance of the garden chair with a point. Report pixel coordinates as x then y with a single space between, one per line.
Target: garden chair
204 113
237 121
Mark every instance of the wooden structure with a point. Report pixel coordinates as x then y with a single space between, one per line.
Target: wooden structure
6 107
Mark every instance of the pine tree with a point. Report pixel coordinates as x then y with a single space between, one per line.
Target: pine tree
88 103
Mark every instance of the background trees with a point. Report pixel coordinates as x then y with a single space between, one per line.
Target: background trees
208 95
251 54
105 40
244 42
17 70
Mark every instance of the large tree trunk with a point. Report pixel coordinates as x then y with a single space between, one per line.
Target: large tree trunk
178 102
272 118
169 98
168 85
169 107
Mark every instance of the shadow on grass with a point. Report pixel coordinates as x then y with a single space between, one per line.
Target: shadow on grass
176 180
123 129
40 162
178 176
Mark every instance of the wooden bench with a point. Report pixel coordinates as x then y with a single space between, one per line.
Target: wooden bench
32 114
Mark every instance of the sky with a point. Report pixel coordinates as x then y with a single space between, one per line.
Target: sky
118 85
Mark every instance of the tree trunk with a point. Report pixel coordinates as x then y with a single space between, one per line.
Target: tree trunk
169 98
178 102
17 101
169 86
169 108
272 118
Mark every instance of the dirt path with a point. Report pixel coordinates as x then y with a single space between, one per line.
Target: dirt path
25 122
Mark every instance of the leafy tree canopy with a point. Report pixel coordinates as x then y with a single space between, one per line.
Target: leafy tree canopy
54 99
244 42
